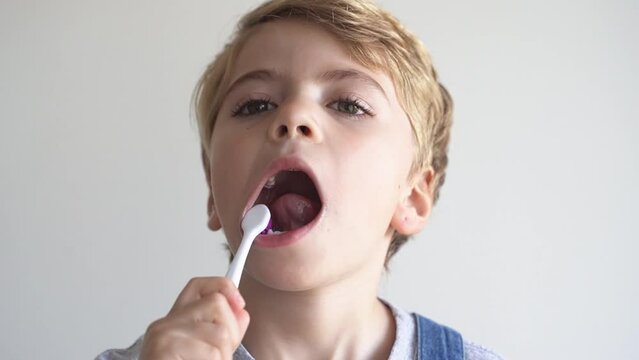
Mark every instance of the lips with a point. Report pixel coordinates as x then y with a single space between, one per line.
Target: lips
289 188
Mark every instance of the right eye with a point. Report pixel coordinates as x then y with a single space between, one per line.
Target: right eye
253 106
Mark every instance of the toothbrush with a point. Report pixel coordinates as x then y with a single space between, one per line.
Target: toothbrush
256 221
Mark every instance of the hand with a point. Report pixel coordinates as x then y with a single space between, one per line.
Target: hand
207 321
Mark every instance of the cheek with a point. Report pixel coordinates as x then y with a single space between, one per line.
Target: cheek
371 171
228 169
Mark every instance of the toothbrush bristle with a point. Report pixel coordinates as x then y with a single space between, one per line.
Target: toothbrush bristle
268 227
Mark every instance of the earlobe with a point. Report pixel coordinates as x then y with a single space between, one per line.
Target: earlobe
213 219
414 206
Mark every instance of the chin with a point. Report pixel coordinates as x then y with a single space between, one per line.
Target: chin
291 273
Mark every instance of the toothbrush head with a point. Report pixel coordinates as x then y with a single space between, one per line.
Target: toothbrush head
268 227
256 220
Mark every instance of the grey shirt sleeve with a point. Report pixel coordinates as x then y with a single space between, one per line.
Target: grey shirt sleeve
130 353
473 351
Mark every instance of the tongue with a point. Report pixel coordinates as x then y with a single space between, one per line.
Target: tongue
291 211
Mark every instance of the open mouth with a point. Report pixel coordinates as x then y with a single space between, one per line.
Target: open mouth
292 198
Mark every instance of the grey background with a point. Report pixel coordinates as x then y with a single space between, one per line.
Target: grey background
531 250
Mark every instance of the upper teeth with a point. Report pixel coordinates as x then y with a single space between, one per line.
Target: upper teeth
270 182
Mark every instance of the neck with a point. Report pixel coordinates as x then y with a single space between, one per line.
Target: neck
341 320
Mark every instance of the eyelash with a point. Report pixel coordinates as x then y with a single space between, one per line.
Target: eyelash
237 111
344 100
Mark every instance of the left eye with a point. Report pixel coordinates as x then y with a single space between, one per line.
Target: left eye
352 107
253 106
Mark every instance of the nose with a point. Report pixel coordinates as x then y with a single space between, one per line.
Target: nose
295 121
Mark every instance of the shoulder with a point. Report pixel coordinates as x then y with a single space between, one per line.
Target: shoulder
473 351
441 338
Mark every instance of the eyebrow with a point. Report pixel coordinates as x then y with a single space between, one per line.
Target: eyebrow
332 75
353 74
253 75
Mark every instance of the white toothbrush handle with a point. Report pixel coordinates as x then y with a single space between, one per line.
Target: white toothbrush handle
237 265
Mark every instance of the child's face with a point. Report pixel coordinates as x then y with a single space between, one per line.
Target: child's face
300 107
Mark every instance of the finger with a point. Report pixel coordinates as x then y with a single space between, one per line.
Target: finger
191 291
203 341
225 316
243 320
198 288
213 308
217 337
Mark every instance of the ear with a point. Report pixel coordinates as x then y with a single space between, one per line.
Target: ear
415 204
213 221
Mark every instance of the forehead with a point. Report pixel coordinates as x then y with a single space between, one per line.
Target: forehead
291 37
300 49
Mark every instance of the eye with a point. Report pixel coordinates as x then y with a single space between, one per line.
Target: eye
351 107
253 106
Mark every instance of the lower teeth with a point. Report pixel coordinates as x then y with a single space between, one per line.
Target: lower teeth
271 232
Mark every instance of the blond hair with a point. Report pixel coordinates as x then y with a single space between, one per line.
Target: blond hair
376 40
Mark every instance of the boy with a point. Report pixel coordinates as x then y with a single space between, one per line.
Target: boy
331 114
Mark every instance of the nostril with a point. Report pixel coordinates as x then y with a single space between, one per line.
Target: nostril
282 131
305 130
